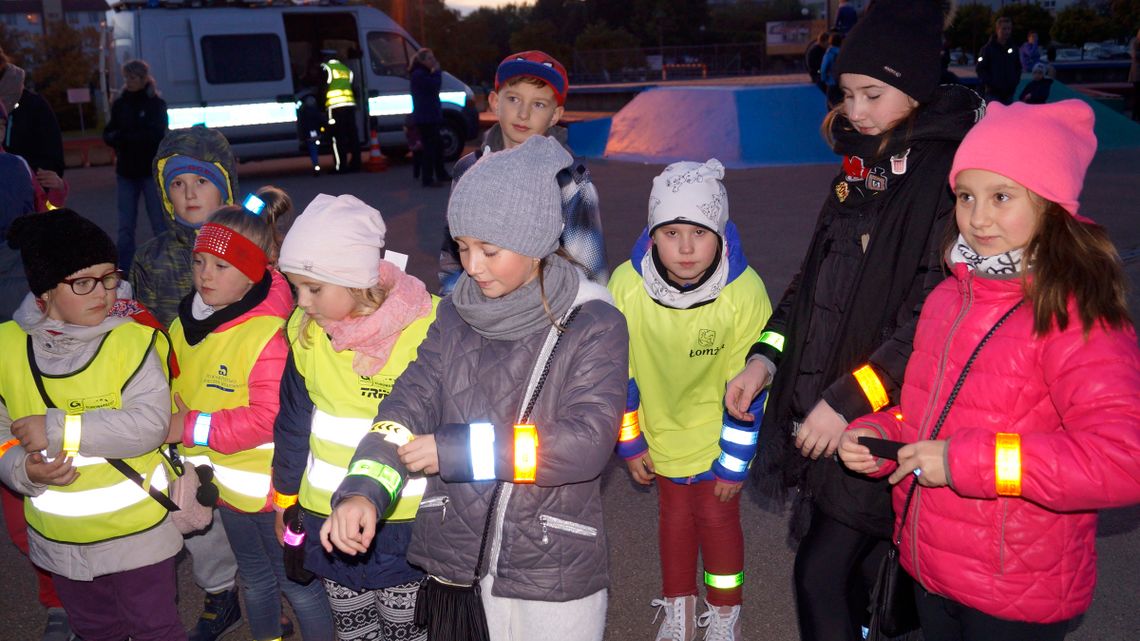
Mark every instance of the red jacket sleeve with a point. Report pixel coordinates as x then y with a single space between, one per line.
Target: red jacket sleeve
888 426
243 428
1093 460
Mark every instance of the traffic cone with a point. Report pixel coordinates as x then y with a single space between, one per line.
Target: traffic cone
376 161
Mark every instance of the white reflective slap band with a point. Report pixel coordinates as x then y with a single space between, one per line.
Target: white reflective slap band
738 436
202 429
732 463
482 444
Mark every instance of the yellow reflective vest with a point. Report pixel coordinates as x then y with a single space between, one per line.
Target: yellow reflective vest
345 408
214 376
102 503
339 81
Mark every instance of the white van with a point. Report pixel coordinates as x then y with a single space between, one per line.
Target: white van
241 70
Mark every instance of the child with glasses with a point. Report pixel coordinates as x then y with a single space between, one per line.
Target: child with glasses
83 385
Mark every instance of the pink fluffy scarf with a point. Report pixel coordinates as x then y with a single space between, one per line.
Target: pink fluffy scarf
372 337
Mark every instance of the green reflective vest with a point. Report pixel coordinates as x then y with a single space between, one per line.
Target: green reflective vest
339 82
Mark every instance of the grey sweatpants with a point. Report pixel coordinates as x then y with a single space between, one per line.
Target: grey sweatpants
212 560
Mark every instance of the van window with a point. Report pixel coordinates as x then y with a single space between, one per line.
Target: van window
220 52
390 53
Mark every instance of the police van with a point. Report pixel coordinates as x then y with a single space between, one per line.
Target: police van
244 69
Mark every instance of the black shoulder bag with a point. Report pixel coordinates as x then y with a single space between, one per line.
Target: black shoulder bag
893 609
454 611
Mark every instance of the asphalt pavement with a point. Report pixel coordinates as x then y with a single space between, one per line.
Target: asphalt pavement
775 209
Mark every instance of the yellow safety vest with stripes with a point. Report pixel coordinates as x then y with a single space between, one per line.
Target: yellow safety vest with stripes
345 408
215 376
101 504
339 81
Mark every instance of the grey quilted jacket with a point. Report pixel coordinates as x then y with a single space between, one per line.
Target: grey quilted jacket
548 541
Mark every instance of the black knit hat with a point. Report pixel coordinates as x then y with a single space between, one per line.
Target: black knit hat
56 244
900 43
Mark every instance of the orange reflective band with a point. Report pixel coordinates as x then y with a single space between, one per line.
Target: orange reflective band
526 453
872 388
284 501
1007 464
7 445
630 428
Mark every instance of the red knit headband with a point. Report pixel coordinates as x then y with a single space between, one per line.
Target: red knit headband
232 247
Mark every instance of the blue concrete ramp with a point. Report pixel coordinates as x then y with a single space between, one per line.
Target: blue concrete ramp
741 126
1114 130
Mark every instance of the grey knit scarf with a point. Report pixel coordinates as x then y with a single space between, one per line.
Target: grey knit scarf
519 313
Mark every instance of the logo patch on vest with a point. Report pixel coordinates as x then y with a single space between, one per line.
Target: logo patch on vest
377 389
222 381
80 405
706 340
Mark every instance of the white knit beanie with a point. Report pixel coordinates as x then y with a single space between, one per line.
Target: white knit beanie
337 240
690 192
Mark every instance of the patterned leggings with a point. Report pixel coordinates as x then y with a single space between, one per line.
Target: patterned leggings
387 614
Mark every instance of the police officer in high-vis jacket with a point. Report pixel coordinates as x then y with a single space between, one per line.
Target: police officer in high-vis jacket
340 103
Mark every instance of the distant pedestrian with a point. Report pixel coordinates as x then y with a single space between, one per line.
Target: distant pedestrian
138 123
999 64
427 112
340 103
845 17
1029 53
828 75
1036 92
813 59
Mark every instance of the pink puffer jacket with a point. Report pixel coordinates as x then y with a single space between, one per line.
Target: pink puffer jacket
1075 401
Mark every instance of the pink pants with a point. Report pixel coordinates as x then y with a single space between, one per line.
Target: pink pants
691 519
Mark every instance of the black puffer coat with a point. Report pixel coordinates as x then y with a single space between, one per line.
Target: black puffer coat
874 257
549 541
138 124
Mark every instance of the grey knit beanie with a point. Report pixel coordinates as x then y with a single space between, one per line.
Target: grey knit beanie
511 198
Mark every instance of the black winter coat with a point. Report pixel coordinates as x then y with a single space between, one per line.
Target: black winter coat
33 132
874 256
138 123
999 69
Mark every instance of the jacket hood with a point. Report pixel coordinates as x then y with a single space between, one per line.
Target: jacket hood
207 145
951 113
278 302
737 263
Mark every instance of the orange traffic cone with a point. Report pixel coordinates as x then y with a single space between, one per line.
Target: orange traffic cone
376 161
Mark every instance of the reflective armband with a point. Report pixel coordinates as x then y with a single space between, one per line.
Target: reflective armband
872 387
732 463
284 501
773 340
724 581
7 445
630 427
387 477
291 538
393 433
202 429
526 453
734 434
72 428
1007 464
482 446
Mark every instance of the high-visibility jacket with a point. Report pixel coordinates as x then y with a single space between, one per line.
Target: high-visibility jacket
339 85
214 376
101 504
345 406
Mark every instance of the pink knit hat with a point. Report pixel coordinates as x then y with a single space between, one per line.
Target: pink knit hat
1046 148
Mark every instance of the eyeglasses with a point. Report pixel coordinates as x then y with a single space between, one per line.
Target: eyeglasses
85 285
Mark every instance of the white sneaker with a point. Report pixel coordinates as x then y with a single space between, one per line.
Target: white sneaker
722 623
680 618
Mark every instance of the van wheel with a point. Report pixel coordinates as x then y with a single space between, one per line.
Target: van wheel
452 136
394 153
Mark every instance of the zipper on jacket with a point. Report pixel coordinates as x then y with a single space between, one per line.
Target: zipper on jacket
555 523
923 430
434 502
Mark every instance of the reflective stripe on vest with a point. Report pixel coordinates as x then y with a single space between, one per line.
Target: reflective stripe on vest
345 408
214 376
101 504
339 81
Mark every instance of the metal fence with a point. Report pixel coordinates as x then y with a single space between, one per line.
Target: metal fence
670 63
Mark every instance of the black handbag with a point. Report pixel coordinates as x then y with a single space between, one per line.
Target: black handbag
893 609
454 611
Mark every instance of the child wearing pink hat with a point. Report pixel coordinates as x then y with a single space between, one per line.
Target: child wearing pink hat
1031 346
